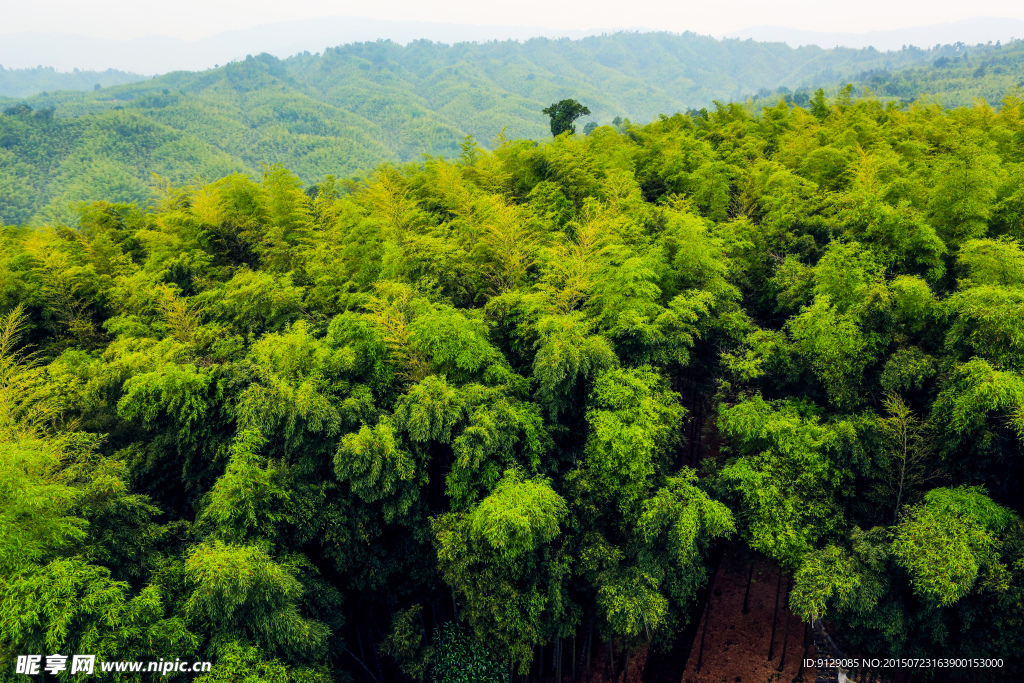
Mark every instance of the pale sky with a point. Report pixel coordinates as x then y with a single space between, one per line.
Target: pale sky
194 19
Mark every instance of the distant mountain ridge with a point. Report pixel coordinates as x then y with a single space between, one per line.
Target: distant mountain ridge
28 82
968 31
162 54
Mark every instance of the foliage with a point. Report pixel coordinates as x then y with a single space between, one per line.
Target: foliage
946 541
436 420
459 660
563 114
352 107
406 643
27 82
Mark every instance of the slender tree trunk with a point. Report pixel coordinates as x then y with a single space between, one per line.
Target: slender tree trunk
611 661
361 659
703 633
376 661
746 595
361 663
775 615
573 657
625 665
698 423
803 652
540 666
362 654
785 639
558 660
585 653
904 447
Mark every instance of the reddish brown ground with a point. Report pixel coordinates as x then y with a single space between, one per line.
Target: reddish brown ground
736 645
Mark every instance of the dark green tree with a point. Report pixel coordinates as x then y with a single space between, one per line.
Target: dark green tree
819 105
563 114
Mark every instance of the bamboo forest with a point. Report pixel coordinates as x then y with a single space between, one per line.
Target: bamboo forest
493 417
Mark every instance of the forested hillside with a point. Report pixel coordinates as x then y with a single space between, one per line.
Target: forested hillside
27 82
956 76
352 107
956 80
461 415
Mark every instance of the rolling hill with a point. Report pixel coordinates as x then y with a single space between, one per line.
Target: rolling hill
353 107
31 81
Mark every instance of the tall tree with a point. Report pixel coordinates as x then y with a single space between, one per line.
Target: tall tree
563 113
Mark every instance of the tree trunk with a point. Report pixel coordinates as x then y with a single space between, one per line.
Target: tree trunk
703 633
585 652
803 652
558 660
625 665
572 658
775 615
376 661
785 639
746 595
362 658
362 654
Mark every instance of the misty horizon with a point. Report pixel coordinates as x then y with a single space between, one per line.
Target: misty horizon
158 54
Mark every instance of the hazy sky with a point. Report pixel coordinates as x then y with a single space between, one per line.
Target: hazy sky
193 19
